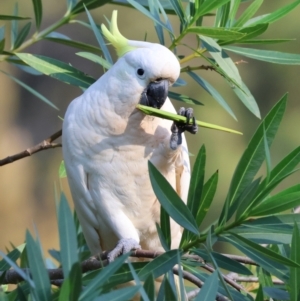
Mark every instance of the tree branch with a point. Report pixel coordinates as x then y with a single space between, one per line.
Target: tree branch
45 144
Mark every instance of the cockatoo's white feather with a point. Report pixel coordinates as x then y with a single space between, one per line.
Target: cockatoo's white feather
107 143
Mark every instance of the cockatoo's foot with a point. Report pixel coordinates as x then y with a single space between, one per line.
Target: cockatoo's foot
123 246
178 128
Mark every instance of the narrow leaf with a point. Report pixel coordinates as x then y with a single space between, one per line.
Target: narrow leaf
222 58
175 117
75 44
248 13
8 18
253 156
93 288
57 69
95 58
121 294
31 90
99 38
282 201
247 99
209 190
22 35
165 227
42 290
209 290
266 55
89 4
197 181
212 91
159 265
38 12
295 271
216 33
184 98
170 200
274 16
67 236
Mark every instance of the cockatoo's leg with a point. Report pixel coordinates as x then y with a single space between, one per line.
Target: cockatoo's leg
123 246
178 127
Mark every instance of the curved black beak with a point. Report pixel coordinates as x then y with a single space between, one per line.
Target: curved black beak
155 94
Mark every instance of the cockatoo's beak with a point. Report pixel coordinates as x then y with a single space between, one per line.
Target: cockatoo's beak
155 94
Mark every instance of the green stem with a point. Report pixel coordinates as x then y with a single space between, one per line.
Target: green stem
39 36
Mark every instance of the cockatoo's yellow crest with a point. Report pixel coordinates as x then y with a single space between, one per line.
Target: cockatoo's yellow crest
114 36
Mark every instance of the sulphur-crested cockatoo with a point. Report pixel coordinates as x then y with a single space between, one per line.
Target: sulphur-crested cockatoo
107 143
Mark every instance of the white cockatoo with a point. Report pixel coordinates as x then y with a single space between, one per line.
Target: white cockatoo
107 143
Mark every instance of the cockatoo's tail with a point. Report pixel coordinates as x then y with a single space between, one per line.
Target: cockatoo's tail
114 36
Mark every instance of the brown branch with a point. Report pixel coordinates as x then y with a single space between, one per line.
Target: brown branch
241 259
45 144
56 275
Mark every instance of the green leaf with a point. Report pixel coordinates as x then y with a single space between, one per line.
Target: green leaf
184 98
265 41
95 58
178 8
222 59
121 294
224 262
286 199
195 190
12 255
212 91
168 292
244 201
248 13
234 8
38 12
209 290
216 33
62 170
67 236
14 26
75 281
149 287
295 271
207 7
159 265
31 90
253 156
274 16
249 33
283 169
264 252
42 290
57 69
260 257
75 44
260 294
144 11
7 18
274 229
89 4
94 287
99 38
247 99
170 200
275 57
165 227
208 193
196 183
175 117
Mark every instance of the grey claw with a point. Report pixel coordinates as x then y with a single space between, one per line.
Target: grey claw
178 128
123 246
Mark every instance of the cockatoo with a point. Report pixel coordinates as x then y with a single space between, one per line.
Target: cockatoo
107 143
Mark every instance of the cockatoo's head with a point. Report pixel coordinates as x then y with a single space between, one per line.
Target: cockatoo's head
151 66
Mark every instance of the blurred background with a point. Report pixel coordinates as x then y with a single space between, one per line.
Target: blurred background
27 187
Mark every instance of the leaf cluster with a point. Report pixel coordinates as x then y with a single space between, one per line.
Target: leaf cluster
252 214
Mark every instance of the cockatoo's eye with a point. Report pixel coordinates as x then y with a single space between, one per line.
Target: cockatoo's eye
140 72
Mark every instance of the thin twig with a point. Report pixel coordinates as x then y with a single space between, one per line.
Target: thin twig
241 259
45 144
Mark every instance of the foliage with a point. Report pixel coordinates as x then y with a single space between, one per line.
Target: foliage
251 215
